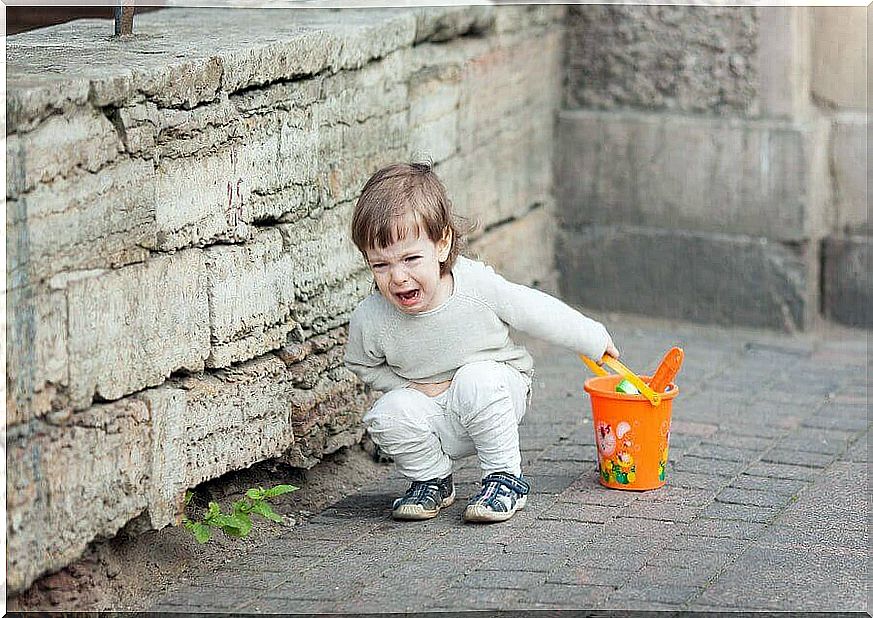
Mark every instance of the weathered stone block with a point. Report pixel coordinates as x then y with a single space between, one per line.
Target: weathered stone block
130 328
503 179
847 294
850 174
80 139
36 355
434 95
839 55
684 275
672 58
82 221
510 18
70 483
332 306
523 250
440 24
29 100
681 172
251 293
507 86
205 426
321 250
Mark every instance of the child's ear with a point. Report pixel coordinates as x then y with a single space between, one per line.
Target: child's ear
444 246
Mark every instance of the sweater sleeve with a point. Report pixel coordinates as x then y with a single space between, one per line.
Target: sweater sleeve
541 315
365 361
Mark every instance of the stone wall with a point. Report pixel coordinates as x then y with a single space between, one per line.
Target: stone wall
711 164
179 272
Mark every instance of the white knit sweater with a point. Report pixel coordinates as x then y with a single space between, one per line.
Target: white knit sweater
388 348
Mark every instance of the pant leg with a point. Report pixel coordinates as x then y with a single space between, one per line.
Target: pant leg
489 400
402 422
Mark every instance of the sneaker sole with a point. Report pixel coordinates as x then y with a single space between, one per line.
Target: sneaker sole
477 513
415 512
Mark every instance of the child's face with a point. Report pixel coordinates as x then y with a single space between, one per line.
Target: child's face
407 272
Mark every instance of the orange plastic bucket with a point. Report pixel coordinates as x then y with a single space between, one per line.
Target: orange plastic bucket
632 435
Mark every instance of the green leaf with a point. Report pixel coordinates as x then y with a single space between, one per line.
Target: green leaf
189 495
278 490
242 506
264 510
201 533
214 510
238 525
255 494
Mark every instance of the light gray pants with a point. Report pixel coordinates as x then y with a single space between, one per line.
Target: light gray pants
479 413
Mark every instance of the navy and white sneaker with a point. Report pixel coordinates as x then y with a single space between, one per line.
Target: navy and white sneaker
424 499
502 494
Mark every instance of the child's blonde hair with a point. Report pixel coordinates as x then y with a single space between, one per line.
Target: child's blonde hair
398 191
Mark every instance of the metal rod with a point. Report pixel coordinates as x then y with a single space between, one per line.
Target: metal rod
124 17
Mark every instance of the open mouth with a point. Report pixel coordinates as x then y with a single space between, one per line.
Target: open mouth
408 298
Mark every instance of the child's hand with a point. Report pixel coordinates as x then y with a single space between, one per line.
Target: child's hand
432 390
611 349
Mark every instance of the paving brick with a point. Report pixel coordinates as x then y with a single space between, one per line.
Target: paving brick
694 480
608 557
548 484
576 575
579 512
568 596
739 512
707 558
772 485
659 592
728 439
749 428
588 492
723 528
733 495
653 575
681 495
661 511
781 471
502 578
807 580
798 457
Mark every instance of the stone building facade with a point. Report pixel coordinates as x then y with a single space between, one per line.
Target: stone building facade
711 163
179 270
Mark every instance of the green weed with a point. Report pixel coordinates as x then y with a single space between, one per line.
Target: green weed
238 523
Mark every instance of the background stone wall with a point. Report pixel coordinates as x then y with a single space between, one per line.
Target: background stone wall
179 272
711 164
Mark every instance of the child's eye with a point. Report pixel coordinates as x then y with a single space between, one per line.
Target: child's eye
378 267
413 258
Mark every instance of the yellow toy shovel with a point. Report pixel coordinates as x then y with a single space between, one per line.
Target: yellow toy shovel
614 364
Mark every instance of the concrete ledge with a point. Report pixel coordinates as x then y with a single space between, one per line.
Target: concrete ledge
759 178
703 277
847 295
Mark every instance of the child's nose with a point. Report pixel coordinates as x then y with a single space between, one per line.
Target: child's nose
399 274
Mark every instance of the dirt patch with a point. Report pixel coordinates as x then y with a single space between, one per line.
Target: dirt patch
131 571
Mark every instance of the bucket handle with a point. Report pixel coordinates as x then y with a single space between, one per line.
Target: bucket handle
616 365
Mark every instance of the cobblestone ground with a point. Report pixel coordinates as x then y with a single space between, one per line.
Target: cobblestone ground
765 506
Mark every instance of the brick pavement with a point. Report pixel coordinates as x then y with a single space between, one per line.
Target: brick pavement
765 506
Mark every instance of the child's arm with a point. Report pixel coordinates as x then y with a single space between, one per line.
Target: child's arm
371 369
545 317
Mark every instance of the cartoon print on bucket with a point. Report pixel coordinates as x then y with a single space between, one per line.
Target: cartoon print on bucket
620 468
